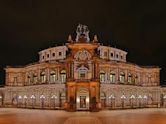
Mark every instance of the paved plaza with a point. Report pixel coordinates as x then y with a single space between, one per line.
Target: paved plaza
34 116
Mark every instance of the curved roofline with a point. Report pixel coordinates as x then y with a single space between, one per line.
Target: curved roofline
114 48
50 48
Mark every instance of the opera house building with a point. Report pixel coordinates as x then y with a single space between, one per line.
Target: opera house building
82 75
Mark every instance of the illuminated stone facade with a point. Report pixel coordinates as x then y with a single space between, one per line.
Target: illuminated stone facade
82 75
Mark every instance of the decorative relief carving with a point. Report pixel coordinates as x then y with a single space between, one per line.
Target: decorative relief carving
82 55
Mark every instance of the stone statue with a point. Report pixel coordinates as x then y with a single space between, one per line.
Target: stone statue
70 39
95 39
82 30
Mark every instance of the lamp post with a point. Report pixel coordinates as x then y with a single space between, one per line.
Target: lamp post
33 100
0 101
132 97
54 97
123 97
19 101
145 99
112 98
139 100
42 97
164 98
25 100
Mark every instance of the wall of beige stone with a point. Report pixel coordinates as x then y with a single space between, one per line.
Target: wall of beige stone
46 96
135 96
142 74
32 70
145 76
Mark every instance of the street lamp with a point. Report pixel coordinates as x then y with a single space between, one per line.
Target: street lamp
33 100
54 97
132 97
112 97
139 99
25 100
123 97
42 97
145 99
0 100
19 101
164 97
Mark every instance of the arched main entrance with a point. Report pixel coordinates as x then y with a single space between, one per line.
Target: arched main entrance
82 99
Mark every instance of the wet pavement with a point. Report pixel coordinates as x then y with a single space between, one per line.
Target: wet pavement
34 116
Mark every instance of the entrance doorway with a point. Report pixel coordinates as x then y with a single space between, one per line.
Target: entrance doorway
82 99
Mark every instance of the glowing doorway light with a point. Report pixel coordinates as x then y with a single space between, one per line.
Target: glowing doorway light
132 97
111 97
139 97
25 97
145 97
42 97
19 97
164 97
33 97
87 99
54 97
78 99
123 97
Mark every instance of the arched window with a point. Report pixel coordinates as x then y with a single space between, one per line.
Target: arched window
35 78
103 99
43 77
28 79
122 77
112 77
102 76
82 72
129 78
63 76
52 77
134 79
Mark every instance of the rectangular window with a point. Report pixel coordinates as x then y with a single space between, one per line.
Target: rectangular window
112 55
15 80
53 54
60 53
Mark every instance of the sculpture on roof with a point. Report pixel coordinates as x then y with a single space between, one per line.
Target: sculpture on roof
82 30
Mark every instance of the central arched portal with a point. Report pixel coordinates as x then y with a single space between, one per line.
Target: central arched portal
82 99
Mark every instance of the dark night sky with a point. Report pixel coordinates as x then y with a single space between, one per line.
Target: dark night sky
137 26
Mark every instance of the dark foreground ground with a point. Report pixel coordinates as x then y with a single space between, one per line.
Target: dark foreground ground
30 116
